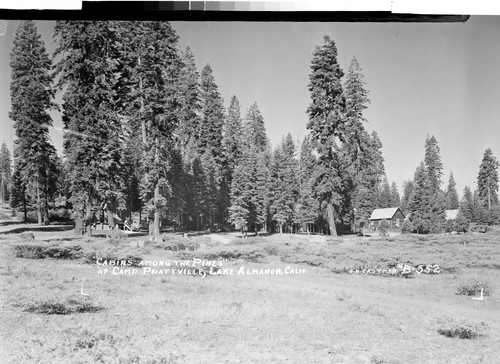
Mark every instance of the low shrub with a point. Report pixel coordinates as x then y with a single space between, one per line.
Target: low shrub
312 260
40 251
473 286
248 253
482 228
271 249
461 329
382 228
407 227
176 242
27 236
67 307
115 237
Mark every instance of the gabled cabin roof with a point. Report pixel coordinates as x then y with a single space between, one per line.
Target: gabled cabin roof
387 213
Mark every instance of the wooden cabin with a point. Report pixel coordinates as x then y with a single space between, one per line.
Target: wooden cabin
392 215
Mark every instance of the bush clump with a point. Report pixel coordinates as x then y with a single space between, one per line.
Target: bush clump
407 227
312 260
382 228
115 237
40 251
68 307
473 286
461 329
248 253
176 242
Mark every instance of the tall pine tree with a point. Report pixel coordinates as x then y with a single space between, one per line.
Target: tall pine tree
467 205
87 69
407 196
5 172
31 93
419 206
326 123
306 208
395 198
189 127
487 179
284 184
451 194
254 129
153 67
433 163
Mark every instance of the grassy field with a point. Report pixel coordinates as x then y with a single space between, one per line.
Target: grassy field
321 312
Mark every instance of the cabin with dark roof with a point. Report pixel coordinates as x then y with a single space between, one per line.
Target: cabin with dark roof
392 215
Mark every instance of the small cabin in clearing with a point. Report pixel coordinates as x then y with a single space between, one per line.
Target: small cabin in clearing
392 215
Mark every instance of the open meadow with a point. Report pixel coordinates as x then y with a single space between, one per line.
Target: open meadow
63 300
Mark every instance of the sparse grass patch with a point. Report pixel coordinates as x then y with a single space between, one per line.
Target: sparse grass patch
473 286
462 329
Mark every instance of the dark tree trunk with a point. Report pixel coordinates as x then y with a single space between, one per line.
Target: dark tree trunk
156 222
78 224
88 220
331 219
38 205
24 206
111 219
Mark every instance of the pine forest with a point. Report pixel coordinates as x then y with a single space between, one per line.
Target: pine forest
149 143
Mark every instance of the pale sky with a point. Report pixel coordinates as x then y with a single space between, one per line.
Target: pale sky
423 78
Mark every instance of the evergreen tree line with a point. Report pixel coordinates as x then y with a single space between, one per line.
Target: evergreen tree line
146 134
425 202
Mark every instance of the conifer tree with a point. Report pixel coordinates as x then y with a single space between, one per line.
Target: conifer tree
284 183
385 196
487 179
18 192
211 186
87 69
210 137
152 75
433 163
232 148
32 93
407 195
242 212
395 199
5 173
419 205
362 152
467 204
306 210
233 139
198 204
326 123
262 189
254 129
480 206
451 194
189 127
